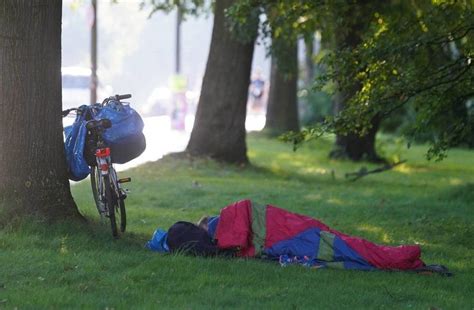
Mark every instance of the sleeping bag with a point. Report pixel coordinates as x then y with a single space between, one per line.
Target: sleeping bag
268 231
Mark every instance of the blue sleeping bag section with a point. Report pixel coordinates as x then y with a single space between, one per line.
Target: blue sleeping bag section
125 137
321 248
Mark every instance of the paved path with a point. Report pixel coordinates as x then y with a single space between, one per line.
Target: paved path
161 139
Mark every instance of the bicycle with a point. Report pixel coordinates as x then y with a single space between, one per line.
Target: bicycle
106 187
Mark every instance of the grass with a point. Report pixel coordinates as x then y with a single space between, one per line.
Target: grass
75 266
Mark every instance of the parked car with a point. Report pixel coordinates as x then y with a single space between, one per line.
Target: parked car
76 83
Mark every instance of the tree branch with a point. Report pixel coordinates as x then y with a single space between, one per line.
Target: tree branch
363 171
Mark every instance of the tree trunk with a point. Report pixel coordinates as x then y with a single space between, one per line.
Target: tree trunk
33 177
282 108
219 127
353 146
309 62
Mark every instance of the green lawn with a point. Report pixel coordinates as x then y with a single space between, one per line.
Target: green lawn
75 266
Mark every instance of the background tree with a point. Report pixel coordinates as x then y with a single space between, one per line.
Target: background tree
33 178
349 23
413 56
309 66
282 106
343 24
219 126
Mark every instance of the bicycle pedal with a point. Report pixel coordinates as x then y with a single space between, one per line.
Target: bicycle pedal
125 180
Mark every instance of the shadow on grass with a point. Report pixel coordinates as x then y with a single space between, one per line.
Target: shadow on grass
330 174
463 193
331 179
89 235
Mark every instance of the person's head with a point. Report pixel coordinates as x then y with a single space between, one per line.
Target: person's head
191 239
204 222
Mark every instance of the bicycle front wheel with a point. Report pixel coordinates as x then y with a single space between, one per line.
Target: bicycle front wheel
120 213
123 215
111 202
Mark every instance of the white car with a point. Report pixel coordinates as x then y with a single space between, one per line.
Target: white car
76 83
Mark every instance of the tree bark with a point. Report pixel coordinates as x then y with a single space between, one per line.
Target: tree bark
219 127
33 177
282 108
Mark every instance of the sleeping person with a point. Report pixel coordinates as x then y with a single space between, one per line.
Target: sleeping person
248 229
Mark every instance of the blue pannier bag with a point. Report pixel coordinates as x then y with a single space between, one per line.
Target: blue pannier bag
125 137
74 144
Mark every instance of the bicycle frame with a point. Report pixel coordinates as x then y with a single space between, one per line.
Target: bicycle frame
103 160
106 187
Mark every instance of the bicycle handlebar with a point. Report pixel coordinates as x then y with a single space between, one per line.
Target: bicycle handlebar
120 97
66 112
116 97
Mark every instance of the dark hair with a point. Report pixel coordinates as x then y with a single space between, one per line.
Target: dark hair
191 239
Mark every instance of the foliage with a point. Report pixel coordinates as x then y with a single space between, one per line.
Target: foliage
416 56
314 106
243 20
72 266
282 21
186 7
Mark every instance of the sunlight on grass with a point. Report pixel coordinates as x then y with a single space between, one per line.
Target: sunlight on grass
275 167
405 169
63 249
251 154
313 197
386 238
378 231
286 157
418 241
370 228
456 181
336 201
314 170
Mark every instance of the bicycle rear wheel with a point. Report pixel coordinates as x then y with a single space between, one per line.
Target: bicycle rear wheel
109 199
97 189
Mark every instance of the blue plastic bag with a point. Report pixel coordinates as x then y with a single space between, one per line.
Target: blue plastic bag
158 242
126 122
125 137
78 168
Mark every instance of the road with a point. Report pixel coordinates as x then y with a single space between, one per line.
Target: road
162 140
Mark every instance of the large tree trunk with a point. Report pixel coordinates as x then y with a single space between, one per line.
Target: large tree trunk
219 127
282 108
353 146
33 177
